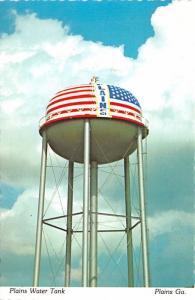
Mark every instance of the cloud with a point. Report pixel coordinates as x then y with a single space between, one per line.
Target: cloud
21 235
164 70
169 222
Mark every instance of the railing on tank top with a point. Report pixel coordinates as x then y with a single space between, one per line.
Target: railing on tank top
55 116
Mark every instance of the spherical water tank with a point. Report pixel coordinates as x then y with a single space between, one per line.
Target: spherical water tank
114 114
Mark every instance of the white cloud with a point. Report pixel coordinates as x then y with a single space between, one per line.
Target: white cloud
165 68
169 222
16 225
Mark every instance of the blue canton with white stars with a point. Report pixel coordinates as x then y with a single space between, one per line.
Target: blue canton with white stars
122 94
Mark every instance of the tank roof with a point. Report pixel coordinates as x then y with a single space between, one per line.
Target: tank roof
93 100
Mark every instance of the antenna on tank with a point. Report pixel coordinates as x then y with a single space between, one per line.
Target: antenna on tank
94 79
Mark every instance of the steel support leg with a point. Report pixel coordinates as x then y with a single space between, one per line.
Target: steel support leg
85 243
69 224
40 212
143 211
128 223
93 225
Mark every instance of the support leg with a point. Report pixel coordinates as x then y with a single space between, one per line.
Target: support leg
85 243
93 226
128 223
69 224
40 212
143 211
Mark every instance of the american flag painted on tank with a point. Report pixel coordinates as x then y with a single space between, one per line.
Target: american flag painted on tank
93 100
122 95
123 98
123 104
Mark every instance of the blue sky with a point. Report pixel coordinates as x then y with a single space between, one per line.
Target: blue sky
133 44
105 21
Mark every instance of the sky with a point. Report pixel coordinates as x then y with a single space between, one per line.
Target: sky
146 47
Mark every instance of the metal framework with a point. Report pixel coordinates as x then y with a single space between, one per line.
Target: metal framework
90 217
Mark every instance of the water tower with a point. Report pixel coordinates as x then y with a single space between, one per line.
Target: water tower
76 118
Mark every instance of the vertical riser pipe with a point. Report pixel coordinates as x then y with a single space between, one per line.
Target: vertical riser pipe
85 241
